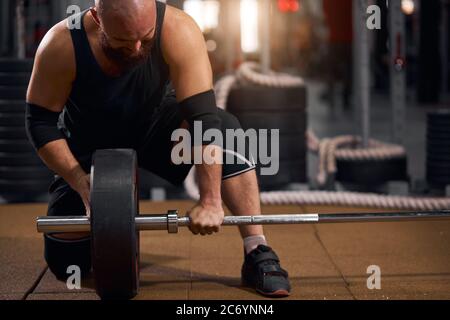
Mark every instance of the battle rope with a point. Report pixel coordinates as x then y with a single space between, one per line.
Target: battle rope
348 148
329 149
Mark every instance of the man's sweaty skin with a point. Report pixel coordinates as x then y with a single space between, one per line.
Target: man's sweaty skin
184 50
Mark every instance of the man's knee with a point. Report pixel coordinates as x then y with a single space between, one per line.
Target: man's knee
61 254
237 159
229 121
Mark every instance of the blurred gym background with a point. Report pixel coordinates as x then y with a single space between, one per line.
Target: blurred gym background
344 80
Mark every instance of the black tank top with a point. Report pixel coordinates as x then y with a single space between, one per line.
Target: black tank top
113 112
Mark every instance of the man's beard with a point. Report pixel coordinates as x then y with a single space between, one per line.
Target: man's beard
121 56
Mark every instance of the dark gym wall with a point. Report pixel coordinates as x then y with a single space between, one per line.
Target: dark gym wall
429 84
6 40
40 16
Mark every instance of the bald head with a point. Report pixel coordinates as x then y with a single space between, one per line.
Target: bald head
128 27
128 10
124 8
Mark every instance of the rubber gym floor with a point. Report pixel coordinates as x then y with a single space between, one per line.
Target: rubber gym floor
324 261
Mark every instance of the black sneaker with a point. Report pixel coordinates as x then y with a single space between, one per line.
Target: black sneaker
262 271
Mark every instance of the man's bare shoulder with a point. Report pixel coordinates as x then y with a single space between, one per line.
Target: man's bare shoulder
180 34
56 49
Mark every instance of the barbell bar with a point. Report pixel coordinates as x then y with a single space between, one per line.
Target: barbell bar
172 221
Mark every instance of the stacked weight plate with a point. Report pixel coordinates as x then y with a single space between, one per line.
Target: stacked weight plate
438 148
23 177
259 107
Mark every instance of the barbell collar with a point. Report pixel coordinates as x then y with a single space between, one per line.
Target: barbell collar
172 221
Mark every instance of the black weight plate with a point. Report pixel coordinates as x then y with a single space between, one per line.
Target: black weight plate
25 173
443 178
16 65
11 159
258 98
445 131
289 172
441 151
286 122
114 206
438 164
438 140
12 120
18 146
371 172
12 106
438 170
439 114
436 147
13 133
435 143
13 93
439 177
438 167
442 147
14 79
438 123
438 158
24 186
439 129
440 180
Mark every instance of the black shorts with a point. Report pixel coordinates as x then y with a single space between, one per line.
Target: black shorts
155 148
154 155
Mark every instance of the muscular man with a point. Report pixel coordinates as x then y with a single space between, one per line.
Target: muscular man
106 83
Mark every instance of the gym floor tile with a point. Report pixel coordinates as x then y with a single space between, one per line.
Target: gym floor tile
20 220
406 287
302 289
221 289
413 257
49 284
324 261
167 284
404 247
11 296
63 296
21 264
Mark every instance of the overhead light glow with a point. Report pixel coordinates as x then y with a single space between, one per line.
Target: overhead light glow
249 26
408 7
204 12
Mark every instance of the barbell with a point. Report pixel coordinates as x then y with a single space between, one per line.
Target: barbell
114 223
171 221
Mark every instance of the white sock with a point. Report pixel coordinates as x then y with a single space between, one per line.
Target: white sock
252 242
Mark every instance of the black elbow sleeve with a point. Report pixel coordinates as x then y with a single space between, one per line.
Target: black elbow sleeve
202 108
41 125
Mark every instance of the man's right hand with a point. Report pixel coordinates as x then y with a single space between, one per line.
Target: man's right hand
82 185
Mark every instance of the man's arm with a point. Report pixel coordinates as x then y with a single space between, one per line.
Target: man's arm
185 51
48 91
